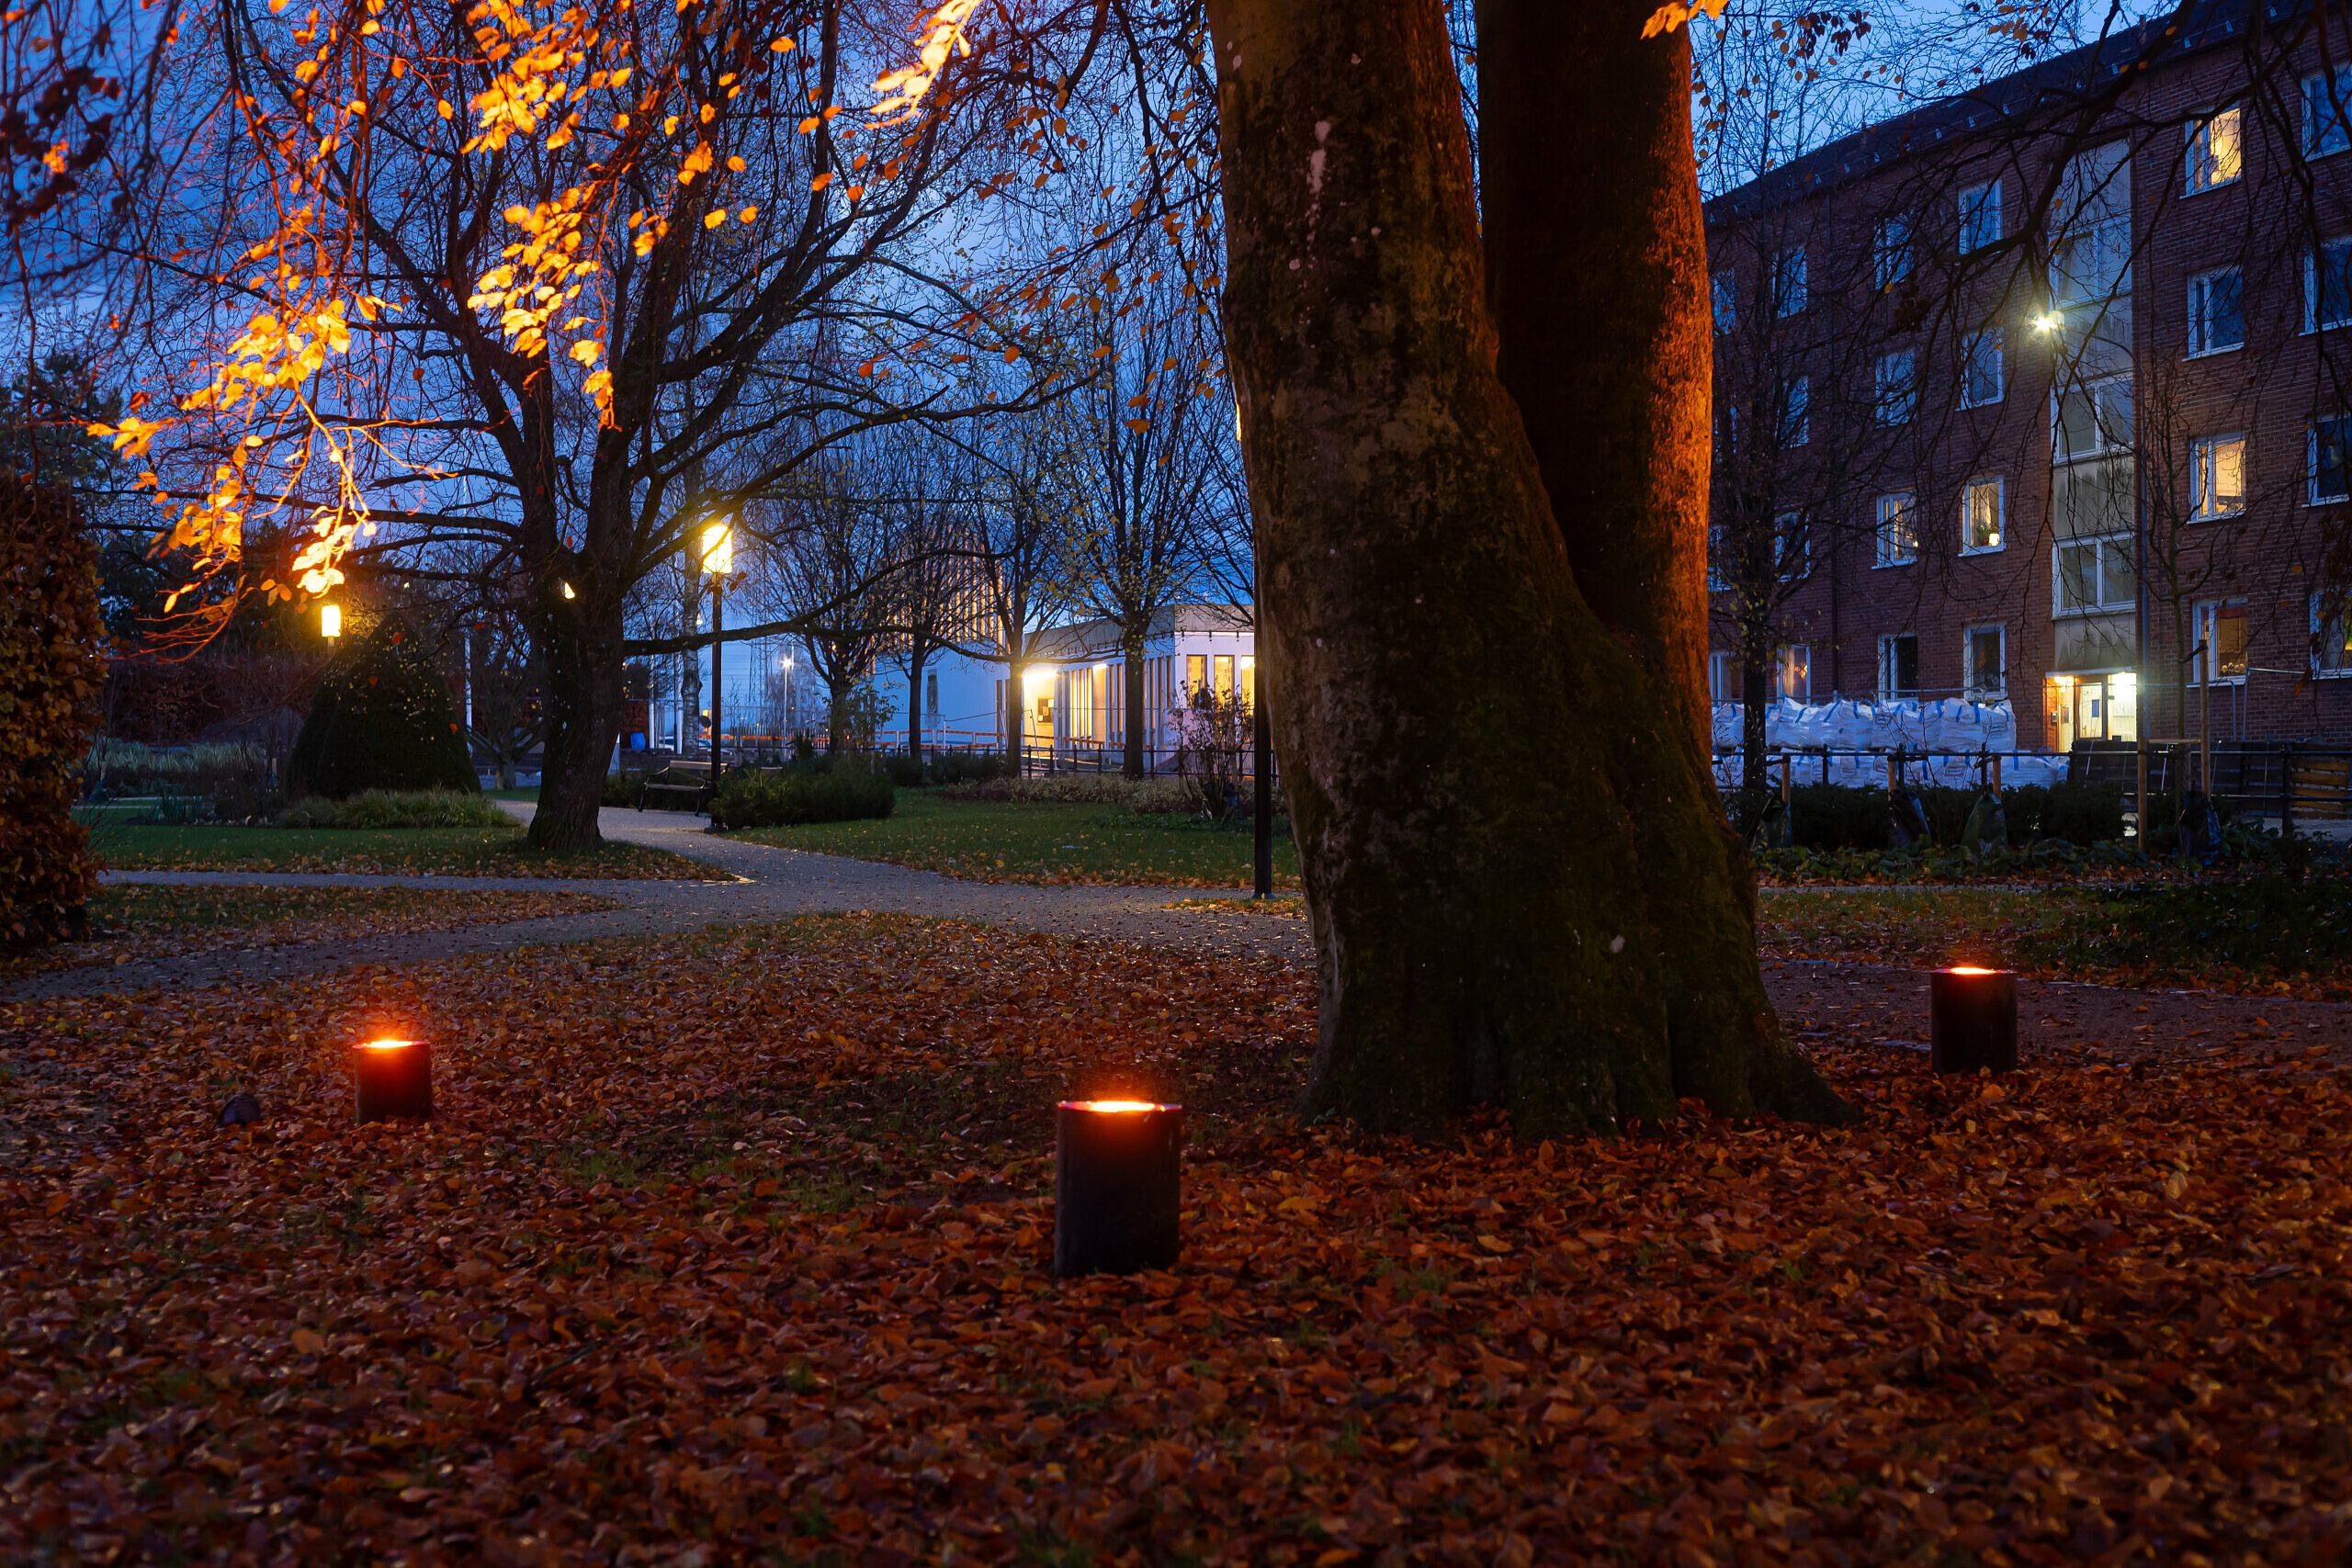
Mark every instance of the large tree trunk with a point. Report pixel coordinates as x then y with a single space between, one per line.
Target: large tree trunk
1597 290
584 712
1483 769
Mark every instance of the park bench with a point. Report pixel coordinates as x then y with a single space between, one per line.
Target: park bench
678 779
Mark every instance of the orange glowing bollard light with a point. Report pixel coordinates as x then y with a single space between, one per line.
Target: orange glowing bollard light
393 1078
1117 1186
1973 1019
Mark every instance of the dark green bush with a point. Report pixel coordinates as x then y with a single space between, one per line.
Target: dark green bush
51 673
749 799
2080 813
1838 817
625 788
382 720
949 768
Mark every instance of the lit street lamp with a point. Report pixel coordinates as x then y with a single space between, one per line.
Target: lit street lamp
718 556
330 620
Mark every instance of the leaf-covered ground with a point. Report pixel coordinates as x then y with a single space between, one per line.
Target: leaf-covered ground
1045 844
408 852
732 1248
138 922
2262 936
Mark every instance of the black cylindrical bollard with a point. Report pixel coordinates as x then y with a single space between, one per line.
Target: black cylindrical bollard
1973 1019
1117 1186
392 1078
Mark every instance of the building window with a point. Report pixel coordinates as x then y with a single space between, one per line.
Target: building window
1898 529
1898 665
1788 283
2327 285
1718 573
1726 291
1796 428
2221 643
1983 661
1196 675
2330 638
1793 674
1224 667
2330 460
2216 156
1980 216
1891 252
1983 375
2216 311
1898 387
2089 576
1984 512
1792 545
1723 676
2326 98
2093 419
2217 476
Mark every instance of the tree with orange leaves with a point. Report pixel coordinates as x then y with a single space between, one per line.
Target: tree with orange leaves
570 284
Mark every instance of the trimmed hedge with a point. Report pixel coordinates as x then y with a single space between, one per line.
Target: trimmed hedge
384 808
50 675
382 720
749 799
1854 816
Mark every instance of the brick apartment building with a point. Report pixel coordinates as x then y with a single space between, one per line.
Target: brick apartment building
2045 392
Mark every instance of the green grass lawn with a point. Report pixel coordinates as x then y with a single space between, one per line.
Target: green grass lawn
1008 841
2260 935
440 852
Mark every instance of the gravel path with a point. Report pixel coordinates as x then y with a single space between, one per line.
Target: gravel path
759 882
750 882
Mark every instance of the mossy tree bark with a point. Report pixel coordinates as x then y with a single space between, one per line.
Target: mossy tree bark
1523 892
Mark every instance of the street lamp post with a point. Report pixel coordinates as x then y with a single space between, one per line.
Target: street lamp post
718 555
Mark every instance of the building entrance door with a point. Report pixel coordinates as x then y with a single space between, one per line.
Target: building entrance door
2094 707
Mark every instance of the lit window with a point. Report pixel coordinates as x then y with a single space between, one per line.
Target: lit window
1793 674
2327 285
1898 387
1898 530
2326 100
2216 156
1983 661
1980 216
2216 311
1983 508
2221 643
2217 475
1983 368
2330 460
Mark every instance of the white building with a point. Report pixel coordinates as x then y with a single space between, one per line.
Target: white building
1072 701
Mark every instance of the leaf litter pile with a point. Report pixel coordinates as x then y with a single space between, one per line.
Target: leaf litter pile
732 1247
139 921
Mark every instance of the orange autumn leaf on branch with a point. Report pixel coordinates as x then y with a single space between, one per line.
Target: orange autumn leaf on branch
1668 17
